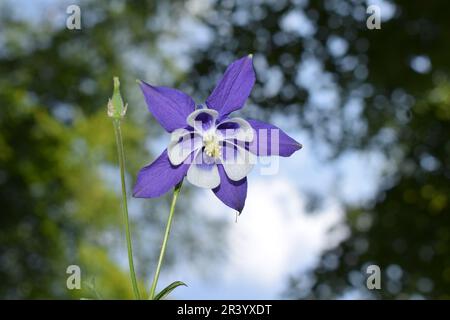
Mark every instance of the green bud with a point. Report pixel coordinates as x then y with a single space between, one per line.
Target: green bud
116 106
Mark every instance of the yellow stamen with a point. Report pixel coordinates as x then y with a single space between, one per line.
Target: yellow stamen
212 148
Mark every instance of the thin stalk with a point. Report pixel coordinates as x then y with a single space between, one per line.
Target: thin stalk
176 191
120 151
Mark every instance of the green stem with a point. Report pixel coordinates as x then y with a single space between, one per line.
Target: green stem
166 237
121 154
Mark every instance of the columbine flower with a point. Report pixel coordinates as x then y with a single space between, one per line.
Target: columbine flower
211 149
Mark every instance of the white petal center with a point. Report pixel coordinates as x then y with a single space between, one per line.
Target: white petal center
210 144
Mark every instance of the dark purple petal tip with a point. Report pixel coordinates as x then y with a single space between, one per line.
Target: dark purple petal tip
271 140
231 193
169 106
234 88
158 178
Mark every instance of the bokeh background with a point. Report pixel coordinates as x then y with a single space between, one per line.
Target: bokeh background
370 186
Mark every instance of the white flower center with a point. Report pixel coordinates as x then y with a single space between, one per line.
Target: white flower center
211 143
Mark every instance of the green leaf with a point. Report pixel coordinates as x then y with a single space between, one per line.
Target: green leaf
165 292
92 287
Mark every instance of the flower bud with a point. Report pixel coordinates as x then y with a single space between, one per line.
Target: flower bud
116 106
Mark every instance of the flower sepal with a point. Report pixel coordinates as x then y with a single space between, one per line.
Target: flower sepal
116 107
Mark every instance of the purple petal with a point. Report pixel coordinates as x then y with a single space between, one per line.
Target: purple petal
271 140
169 106
232 193
206 120
233 90
202 119
236 129
159 177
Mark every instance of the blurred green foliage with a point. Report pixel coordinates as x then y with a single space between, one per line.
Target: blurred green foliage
406 231
55 203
